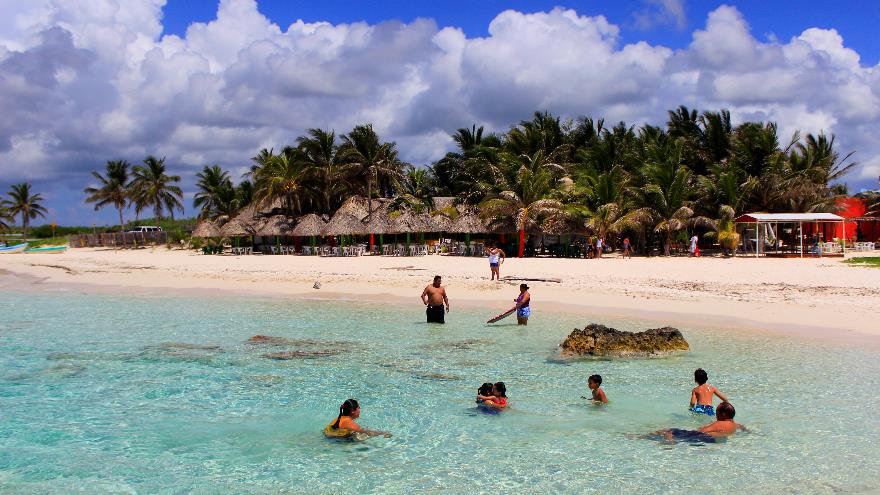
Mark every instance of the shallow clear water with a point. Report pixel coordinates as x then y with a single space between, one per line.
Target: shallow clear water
97 395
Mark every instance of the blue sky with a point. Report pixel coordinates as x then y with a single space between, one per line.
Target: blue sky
856 20
205 82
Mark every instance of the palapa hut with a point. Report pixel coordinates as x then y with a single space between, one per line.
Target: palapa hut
441 222
276 225
310 225
344 223
239 227
206 228
469 223
409 222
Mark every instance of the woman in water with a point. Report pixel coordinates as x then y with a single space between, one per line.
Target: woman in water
523 308
345 425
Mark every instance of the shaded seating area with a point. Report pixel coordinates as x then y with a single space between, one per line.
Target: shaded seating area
790 235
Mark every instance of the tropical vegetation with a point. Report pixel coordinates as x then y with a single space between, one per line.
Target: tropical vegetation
545 174
24 203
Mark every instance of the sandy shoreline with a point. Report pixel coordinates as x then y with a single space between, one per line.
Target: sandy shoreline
810 298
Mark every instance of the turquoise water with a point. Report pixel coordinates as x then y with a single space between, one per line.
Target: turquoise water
106 394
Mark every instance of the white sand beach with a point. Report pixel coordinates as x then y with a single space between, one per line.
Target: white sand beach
807 297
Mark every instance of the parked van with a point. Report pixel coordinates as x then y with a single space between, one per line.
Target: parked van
145 229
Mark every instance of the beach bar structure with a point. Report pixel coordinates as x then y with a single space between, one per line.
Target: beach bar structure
790 234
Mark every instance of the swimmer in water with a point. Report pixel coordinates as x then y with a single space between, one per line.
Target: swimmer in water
701 395
345 426
724 426
594 382
498 400
484 393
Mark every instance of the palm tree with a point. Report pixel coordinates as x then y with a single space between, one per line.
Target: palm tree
283 177
113 189
4 217
214 186
667 194
320 152
366 157
725 231
525 203
152 187
244 193
23 203
417 191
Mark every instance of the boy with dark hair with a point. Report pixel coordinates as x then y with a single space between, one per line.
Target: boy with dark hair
701 395
594 382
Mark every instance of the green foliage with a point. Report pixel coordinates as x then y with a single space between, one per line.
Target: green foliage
654 183
51 241
869 261
22 202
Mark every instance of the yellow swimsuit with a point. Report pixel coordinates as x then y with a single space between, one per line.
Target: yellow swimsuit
331 432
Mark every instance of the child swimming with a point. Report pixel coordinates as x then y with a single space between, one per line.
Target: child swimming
701 395
484 393
594 383
498 399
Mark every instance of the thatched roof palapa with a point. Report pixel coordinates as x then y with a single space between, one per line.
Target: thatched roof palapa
441 223
276 225
309 225
409 221
468 223
345 224
239 227
206 228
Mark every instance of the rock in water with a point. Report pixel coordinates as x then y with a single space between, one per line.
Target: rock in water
599 340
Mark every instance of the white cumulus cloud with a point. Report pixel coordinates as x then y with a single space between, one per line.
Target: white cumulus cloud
81 83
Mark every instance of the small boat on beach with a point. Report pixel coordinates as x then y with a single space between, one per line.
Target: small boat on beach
47 249
14 249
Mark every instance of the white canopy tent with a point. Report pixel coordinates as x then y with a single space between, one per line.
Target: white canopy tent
770 223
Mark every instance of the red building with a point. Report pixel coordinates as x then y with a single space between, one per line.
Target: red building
859 226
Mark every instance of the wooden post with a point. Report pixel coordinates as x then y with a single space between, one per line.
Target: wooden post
801 235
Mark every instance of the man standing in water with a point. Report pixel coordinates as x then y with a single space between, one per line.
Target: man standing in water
434 297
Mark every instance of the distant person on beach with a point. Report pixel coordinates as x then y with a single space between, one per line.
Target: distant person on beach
599 245
693 248
627 248
345 426
434 297
701 395
498 399
594 383
523 305
723 426
496 259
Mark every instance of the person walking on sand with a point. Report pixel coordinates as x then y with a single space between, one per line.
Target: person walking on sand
693 248
496 259
627 248
523 308
599 245
434 297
